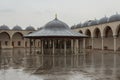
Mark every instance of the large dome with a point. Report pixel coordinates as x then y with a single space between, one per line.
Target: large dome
103 20
56 25
55 29
17 28
115 17
4 27
30 28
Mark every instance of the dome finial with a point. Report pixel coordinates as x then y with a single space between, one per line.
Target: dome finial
56 16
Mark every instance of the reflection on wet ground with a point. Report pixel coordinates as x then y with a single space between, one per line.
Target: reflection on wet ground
17 64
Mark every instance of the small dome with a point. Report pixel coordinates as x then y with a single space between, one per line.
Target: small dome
85 24
113 18
30 28
103 20
93 22
4 27
73 27
17 28
78 25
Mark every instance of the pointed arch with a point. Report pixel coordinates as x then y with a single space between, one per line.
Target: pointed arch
107 32
97 33
88 32
117 31
80 31
17 35
4 39
17 39
4 35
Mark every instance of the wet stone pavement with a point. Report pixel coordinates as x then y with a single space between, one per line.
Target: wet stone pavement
18 64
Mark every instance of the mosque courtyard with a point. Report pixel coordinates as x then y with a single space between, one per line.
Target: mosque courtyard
17 65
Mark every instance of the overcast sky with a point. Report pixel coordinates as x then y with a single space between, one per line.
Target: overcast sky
38 12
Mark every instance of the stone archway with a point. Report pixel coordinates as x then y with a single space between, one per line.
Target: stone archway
17 40
88 40
108 38
4 40
97 38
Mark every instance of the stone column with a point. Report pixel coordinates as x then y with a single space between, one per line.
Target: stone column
76 44
92 43
34 45
79 45
115 43
84 42
72 46
30 46
23 40
102 42
53 54
10 44
53 48
76 54
42 52
65 47
42 47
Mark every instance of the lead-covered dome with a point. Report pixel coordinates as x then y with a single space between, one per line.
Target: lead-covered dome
4 27
30 28
93 22
55 29
115 17
78 25
17 28
73 27
86 23
56 25
103 20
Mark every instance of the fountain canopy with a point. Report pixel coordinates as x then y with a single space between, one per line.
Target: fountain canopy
55 29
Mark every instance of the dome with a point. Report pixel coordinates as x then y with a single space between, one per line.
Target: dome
4 27
17 28
103 20
113 18
56 24
55 29
30 28
93 22
78 25
85 24
73 27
